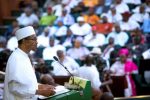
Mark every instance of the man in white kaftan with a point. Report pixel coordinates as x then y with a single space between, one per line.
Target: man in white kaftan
67 61
84 27
20 80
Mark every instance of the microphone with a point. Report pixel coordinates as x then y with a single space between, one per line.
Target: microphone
68 85
62 65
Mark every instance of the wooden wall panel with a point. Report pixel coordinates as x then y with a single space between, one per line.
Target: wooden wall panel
6 6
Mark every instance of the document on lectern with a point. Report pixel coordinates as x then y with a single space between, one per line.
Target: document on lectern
58 89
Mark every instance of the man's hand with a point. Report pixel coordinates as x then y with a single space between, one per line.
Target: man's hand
43 86
45 90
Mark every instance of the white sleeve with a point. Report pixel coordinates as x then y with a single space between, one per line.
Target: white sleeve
113 68
21 90
146 54
96 83
75 66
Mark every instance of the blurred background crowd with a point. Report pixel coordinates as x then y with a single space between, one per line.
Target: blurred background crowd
92 38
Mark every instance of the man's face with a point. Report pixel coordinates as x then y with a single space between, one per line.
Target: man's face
69 32
28 12
51 42
111 40
117 28
77 44
32 42
104 19
81 23
61 55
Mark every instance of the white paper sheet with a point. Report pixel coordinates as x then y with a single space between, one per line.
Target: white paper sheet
58 89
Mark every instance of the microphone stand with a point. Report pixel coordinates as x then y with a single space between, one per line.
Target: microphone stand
64 68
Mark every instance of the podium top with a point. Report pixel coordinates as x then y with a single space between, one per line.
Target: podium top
78 81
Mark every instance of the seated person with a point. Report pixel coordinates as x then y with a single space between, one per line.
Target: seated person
68 62
78 51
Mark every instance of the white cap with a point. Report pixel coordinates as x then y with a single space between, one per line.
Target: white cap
96 50
79 38
80 19
104 14
24 32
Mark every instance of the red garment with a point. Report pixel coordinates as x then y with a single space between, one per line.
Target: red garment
129 68
104 28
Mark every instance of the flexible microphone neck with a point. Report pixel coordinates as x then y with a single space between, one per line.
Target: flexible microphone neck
55 58
72 85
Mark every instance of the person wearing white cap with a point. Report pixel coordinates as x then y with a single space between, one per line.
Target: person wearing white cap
20 80
81 25
78 51
96 50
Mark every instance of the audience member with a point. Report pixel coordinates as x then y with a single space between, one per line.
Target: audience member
107 4
113 16
126 24
136 47
94 39
141 15
79 10
99 8
71 3
27 18
125 67
78 51
108 48
59 7
120 6
120 38
68 62
104 27
81 25
60 30
147 3
50 51
91 17
68 39
66 18
48 18
43 39
36 9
